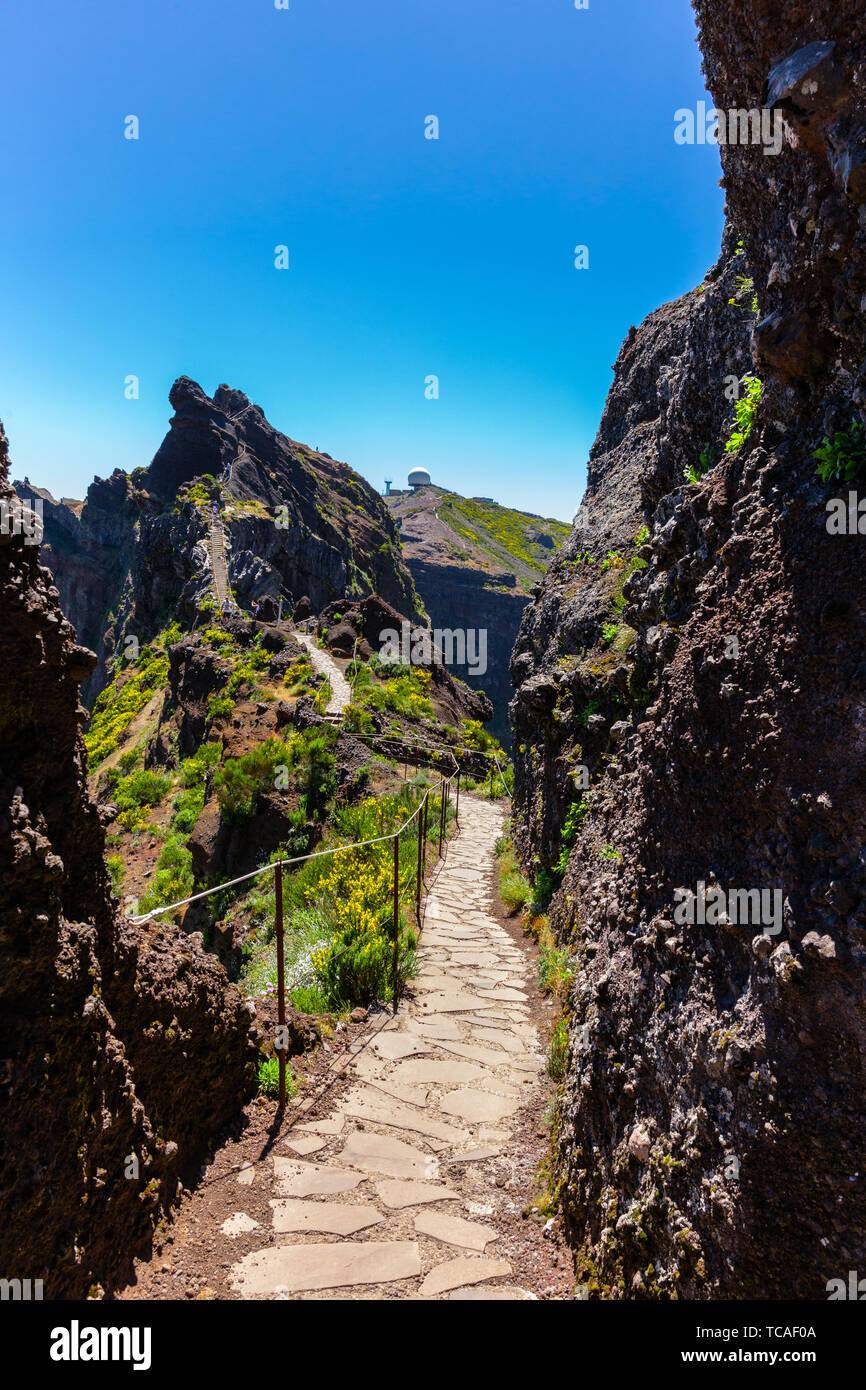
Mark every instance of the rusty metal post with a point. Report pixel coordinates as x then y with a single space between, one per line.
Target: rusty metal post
281 986
396 916
418 870
441 814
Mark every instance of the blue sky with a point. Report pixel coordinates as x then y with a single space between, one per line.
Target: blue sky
408 257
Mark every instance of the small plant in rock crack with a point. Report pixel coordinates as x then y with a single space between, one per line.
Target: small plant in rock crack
745 411
587 712
694 472
842 457
556 1057
608 633
608 852
574 818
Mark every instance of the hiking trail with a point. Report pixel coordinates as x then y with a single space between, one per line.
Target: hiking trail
396 1186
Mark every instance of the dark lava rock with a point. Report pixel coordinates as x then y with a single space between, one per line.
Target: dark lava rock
738 1055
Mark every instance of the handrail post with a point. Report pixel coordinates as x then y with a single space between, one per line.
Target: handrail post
441 815
396 917
418 870
457 803
281 986
491 780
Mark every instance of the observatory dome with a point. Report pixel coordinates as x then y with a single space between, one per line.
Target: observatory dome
419 477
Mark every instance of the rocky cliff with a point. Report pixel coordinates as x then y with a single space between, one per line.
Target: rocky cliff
689 721
124 1052
297 523
475 564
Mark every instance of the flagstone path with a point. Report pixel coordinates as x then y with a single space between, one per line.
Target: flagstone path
392 1196
341 691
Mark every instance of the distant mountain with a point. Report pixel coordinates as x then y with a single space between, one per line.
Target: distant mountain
297 524
475 564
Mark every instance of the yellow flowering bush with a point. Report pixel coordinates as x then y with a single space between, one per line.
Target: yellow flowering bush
356 892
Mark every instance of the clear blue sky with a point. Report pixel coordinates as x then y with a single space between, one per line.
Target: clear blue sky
408 257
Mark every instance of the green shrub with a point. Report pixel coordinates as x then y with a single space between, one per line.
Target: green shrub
842 457
238 782
558 1053
554 972
359 967
219 706
745 411
269 1078
136 794
173 878
319 778
542 891
117 871
514 890
309 999
117 705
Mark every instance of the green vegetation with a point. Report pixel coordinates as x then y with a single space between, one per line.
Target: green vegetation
189 804
269 1078
173 878
843 457
514 890
240 780
338 911
117 872
574 818
505 536
136 794
557 1056
706 459
121 701
745 411
219 706
554 972
406 693
309 999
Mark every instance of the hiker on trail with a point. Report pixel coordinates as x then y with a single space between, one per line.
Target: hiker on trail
255 607
227 609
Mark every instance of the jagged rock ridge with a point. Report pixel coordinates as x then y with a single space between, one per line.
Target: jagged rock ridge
298 524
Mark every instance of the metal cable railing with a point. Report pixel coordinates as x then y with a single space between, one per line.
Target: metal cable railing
421 813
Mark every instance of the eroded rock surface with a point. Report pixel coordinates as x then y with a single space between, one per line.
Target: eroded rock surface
710 1139
124 1052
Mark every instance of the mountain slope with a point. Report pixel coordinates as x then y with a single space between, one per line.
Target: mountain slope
474 564
298 524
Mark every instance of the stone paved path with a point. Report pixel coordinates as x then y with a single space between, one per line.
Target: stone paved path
219 568
392 1196
341 691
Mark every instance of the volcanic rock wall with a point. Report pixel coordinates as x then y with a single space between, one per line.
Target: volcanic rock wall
709 1137
124 1050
